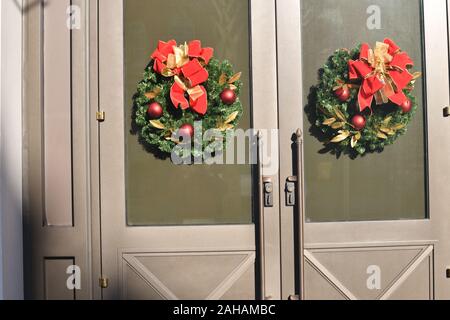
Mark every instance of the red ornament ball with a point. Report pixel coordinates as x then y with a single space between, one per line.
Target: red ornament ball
406 106
186 130
342 93
359 122
228 96
154 111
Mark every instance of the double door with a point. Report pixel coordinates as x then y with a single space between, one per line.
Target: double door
299 222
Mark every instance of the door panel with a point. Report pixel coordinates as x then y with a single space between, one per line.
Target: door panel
57 115
348 272
382 214
195 282
173 232
56 155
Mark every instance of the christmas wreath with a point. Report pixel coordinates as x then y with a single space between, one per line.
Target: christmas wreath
184 84
364 99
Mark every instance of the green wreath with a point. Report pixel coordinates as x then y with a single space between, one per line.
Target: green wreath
364 100
182 85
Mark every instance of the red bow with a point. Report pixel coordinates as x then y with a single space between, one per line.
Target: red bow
194 74
183 63
383 72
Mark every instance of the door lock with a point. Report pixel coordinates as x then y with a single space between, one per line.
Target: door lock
268 192
290 191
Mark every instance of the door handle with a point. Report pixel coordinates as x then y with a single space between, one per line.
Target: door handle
300 215
268 192
290 188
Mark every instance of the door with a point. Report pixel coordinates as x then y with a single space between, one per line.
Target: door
374 227
188 231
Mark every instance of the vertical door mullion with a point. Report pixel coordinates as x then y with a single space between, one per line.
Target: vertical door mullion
265 117
290 120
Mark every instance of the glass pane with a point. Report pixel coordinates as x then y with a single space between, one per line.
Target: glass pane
390 185
158 192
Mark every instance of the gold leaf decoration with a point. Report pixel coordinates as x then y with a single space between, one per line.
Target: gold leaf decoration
235 78
169 133
357 136
225 127
150 95
387 120
232 87
222 79
381 135
157 124
417 75
353 142
153 94
231 117
329 121
398 126
340 115
343 134
338 125
388 131
172 139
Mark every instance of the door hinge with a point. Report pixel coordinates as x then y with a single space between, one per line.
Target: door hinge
100 116
103 282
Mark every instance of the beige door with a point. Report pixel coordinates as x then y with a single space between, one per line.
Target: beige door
375 227
184 232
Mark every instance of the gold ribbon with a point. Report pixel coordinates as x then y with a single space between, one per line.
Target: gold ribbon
379 60
194 93
175 60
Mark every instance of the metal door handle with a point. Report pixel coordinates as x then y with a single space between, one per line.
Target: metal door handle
268 192
290 188
300 216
